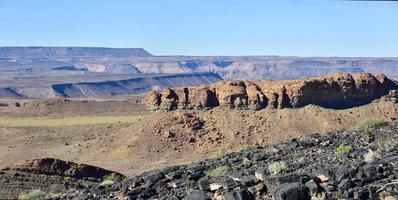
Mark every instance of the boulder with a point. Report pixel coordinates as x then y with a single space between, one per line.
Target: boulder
290 191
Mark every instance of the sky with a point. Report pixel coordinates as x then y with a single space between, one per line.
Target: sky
206 27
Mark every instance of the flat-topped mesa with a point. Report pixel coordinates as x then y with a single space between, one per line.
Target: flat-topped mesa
340 90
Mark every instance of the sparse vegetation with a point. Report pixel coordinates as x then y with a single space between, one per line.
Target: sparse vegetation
110 179
221 151
277 167
33 194
243 147
219 171
368 132
369 125
370 156
107 182
343 149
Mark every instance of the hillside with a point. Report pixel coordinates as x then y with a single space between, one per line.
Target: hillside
162 138
121 135
341 164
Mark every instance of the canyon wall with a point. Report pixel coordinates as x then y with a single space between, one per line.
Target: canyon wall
341 90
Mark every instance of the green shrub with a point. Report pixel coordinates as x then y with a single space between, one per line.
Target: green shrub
219 171
343 149
33 194
370 156
107 182
113 177
277 167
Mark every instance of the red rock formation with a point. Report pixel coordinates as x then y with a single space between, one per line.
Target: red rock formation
340 90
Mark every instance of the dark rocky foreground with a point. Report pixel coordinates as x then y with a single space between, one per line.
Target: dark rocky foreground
49 175
346 164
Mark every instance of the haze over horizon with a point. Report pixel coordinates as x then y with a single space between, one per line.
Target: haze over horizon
207 28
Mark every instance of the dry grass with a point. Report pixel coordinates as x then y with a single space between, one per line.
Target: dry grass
67 121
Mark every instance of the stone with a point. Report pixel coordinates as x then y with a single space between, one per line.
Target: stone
204 184
290 191
247 180
314 187
228 183
261 174
215 186
176 183
369 170
196 195
281 179
154 176
258 189
239 194
175 174
345 184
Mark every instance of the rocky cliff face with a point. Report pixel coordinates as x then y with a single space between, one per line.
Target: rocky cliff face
340 90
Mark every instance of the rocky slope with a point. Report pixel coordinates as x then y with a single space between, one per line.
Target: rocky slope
340 90
160 138
50 175
346 164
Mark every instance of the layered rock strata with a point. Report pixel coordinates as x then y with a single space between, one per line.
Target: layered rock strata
50 175
340 90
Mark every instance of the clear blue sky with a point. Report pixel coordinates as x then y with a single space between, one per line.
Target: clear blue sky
206 27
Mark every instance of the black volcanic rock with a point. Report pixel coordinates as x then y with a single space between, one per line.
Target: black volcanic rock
50 175
326 175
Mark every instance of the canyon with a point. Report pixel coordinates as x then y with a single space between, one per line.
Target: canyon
39 72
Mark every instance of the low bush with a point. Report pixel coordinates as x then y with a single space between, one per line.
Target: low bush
370 156
343 149
219 171
277 167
